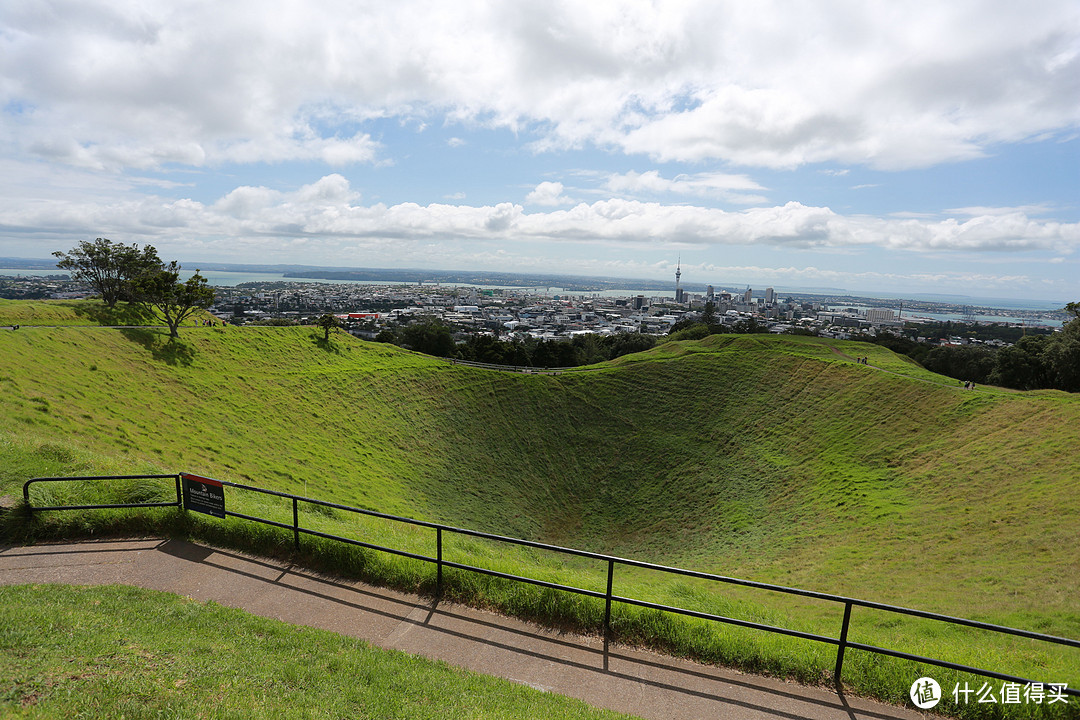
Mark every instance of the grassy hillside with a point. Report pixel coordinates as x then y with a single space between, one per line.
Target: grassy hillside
68 312
77 312
774 458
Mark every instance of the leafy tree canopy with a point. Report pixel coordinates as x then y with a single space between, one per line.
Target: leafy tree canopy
110 268
171 300
429 336
327 322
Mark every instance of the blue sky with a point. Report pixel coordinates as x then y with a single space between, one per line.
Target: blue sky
883 147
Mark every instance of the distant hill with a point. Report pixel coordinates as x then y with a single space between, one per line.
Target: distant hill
574 283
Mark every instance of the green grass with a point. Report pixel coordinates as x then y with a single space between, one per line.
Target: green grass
772 458
78 312
126 652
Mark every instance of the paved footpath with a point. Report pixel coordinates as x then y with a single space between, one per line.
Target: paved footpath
631 681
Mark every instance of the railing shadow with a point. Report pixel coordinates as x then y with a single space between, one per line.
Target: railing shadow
520 640
842 643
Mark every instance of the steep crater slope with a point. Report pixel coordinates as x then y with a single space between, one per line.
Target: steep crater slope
774 458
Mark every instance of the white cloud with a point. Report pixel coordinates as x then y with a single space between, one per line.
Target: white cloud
731 188
330 211
548 193
111 85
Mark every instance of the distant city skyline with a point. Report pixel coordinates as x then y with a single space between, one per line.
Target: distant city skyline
225 274
904 149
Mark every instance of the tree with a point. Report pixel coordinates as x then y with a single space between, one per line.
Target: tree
708 316
694 331
327 322
544 355
110 268
626 343
485 349
1063 353
1018 367
171 300
749 325
588 350
430 337
968 362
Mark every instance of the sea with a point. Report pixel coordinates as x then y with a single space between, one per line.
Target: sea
227 278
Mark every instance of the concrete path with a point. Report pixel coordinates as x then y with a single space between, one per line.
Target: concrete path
631 681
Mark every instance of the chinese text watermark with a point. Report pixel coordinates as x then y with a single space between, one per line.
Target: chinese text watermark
926 693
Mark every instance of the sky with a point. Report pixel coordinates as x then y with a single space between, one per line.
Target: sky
877 146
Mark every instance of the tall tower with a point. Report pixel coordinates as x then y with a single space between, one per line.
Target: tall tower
678 274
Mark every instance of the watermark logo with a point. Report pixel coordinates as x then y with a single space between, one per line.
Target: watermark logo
925 693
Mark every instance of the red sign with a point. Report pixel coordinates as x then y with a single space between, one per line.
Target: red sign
204 495
201 479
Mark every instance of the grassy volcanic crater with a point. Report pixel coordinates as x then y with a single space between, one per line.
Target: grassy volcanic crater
773 458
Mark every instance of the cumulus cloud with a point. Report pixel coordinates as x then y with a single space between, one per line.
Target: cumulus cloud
136 85
331 209
548 193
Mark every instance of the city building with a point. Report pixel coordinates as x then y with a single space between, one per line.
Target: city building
880 315
678 288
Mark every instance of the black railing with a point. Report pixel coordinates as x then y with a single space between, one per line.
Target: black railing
841 642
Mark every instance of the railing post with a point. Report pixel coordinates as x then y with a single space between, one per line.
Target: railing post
607 604
295 525
438 556
843 643
179 494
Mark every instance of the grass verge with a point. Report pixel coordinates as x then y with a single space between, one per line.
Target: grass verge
118 651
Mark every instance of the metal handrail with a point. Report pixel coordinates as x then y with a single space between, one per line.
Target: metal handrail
609 597
175 503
